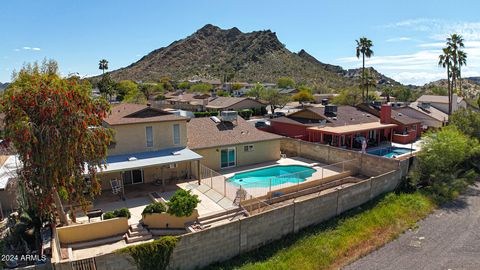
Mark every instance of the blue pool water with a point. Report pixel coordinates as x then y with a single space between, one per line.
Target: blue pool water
275 175
390 152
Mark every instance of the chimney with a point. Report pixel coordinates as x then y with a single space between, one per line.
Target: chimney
454 102
385 114
149 104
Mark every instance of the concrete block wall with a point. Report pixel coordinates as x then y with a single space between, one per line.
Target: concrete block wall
353 196
314 211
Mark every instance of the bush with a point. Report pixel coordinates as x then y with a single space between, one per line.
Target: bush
205 114
152 255
182 203
245 114
156 207
444 166
159 97
122 212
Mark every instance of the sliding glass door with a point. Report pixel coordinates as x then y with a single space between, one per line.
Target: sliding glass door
132 177
227 157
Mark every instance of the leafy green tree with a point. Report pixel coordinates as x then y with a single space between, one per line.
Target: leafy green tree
204 88
135 96
103 65
467 121
443 165
285 82
166 84
106 86
351 96
150 88
304 95
223 93
183 85
274 99
56 128
369 81
237 86
387 92
182 203
403 93
363 48
124 87
256 91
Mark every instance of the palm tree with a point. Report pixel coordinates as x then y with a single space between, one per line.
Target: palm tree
445 61
462 61
455 43
103 65
364 48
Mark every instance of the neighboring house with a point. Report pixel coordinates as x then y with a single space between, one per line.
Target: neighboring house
408 129
441 102
289 91
430 116
321 97
233 104
149 145
343 126
226 144
187 101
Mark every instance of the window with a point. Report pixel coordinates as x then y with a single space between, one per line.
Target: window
132 177
248 148
176 134
414 127
149 135
227 157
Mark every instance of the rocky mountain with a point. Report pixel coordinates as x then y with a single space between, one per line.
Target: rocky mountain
470 86
3 86
214 53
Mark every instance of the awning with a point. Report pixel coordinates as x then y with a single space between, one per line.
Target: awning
352 128
149 159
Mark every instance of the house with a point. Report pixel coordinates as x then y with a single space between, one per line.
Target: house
227 144
441 102
186 101
233 104
430 116
288 91
408 128
343 126
324 98
149 145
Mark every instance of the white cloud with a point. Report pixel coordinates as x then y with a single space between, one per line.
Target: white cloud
35 49
27 48
398 39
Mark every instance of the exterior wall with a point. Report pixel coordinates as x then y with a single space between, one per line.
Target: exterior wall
167 221
289 130
150 174
410 137
263 152
132 138
92 231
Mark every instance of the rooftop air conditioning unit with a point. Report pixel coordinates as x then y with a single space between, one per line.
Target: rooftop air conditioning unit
229 116
424 105
331 109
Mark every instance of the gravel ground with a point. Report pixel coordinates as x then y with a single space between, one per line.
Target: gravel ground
447 239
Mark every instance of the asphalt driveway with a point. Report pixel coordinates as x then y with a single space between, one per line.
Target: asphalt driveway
447 239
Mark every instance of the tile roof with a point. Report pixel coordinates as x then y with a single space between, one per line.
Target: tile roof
205 133
129 113
403 118
432 112
225 102
436 99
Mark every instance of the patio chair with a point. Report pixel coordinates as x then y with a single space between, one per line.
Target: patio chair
117 188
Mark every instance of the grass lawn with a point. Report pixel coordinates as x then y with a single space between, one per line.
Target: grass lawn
341 240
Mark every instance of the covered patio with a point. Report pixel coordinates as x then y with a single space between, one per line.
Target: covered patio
345 136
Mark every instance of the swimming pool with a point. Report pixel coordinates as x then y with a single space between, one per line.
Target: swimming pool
390 152
274 176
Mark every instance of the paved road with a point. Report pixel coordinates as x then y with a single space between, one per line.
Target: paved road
447 239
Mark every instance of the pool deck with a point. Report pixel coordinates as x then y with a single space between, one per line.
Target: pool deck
322 171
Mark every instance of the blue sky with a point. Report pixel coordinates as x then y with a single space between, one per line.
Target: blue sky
407 34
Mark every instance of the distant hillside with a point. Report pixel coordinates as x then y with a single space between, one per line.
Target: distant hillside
214 53
3 86
470 86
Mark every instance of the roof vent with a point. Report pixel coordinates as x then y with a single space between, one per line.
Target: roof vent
215 119
334 118
132 158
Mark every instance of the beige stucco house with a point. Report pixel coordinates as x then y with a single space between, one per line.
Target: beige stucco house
225 145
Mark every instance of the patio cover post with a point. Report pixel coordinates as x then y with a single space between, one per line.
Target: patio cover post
198 172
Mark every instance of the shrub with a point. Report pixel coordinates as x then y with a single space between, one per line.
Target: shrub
159 97
182 203
444 165
205 114
152 255
245 114
156 207
122 212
